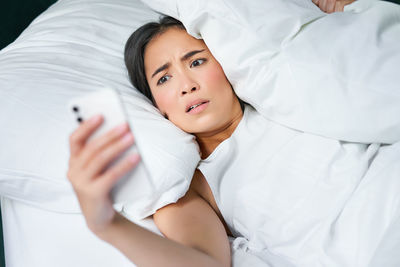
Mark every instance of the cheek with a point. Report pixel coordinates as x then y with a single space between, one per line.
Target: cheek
164 99
216 74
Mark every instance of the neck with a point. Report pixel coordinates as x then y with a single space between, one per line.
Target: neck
209 141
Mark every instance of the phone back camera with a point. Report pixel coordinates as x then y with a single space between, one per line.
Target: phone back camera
79 119
75 109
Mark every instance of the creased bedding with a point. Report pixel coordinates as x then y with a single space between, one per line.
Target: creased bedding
77 46
73 48
305 199
333 75
330 196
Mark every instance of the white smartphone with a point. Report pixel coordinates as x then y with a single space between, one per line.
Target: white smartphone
107 102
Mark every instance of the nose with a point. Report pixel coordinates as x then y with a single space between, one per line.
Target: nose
184 92
189 86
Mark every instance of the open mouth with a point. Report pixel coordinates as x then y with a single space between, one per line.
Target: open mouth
196 107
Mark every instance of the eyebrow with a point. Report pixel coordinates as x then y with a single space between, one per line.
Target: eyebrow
185 57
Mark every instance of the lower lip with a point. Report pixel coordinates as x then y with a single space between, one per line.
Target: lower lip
199 109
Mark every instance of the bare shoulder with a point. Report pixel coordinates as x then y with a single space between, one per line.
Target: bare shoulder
192 222
201 186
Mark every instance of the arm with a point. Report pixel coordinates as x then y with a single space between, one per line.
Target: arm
193 222
197 236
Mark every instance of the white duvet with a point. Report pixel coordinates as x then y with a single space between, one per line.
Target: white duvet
302 199
286 68
334 75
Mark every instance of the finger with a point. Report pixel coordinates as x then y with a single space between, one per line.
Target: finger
341 4
322 5
96 145
339 7
114 174
99 163
78 138
330 6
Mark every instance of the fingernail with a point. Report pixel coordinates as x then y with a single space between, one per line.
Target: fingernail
120 128
128 137
95 119
133 158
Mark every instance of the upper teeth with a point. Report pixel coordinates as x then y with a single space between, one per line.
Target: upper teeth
194 106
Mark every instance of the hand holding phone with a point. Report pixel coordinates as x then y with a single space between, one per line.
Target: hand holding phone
100 163
90 174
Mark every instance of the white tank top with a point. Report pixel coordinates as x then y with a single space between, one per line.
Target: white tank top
294 194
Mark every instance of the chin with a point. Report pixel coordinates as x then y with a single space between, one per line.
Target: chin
209 122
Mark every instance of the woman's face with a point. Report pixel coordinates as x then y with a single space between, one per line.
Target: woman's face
188 84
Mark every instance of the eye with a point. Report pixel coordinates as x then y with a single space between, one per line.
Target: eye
163 79
197 62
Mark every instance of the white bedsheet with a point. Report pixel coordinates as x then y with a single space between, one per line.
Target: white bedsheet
39 238
306 199
35 237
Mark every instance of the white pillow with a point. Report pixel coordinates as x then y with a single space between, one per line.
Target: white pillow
333 75
75 47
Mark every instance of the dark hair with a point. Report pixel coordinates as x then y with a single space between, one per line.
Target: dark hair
135 48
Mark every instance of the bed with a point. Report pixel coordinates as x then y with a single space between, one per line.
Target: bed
76 46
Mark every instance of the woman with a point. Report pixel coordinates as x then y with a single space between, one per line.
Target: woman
205 106
182 78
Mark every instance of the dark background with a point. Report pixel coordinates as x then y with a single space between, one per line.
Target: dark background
15 16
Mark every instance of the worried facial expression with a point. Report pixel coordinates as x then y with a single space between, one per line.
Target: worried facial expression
187 83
